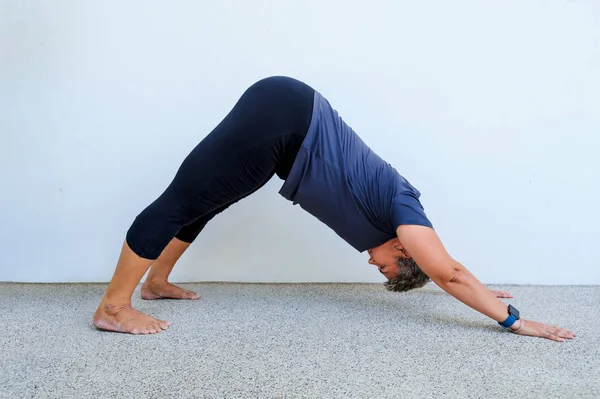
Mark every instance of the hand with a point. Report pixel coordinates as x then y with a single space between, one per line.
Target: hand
502 294
535 329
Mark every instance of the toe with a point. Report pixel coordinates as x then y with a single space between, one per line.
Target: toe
164 325
191 295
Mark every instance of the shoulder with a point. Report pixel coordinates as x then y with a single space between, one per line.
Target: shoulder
406 207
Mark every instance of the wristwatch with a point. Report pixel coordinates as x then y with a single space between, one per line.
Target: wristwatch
513 316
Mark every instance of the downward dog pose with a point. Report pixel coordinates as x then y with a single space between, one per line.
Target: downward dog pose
281 126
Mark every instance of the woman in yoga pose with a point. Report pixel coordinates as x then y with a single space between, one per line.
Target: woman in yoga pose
281 126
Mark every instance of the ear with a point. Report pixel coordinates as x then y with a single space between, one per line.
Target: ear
397 244
400 248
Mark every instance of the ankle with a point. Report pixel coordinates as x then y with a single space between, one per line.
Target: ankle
156 280
112 307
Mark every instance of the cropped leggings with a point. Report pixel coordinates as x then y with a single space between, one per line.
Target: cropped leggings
259 138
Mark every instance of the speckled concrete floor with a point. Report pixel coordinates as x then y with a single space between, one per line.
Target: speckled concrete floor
296 340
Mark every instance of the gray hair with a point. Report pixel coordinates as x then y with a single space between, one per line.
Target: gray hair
410 277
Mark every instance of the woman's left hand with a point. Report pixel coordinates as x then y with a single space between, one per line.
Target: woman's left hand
536 329
501 294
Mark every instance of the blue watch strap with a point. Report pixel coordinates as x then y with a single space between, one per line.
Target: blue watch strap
510 320
513 315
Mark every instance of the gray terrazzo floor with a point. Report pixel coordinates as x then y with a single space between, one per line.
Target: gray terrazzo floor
297 340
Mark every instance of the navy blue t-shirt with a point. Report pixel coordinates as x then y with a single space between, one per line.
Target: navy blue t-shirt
338 179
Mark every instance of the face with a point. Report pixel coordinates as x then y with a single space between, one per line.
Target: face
385 257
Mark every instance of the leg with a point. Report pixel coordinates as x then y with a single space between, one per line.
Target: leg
115 312
147 237
156 285
265 127
260 137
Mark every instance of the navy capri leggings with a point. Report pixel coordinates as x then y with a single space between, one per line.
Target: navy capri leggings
259 137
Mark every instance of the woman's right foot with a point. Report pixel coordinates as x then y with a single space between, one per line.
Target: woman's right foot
125 319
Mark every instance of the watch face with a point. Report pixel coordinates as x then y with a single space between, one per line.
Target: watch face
513 311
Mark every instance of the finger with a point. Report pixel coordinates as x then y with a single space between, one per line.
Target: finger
561 332
565 333
555 337
549 333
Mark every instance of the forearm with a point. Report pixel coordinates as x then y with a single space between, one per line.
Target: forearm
466 288
427 250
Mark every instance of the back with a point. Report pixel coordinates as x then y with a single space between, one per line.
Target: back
338 179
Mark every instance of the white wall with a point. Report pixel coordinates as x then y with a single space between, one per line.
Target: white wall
492 109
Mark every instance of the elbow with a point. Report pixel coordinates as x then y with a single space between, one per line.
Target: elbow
454 276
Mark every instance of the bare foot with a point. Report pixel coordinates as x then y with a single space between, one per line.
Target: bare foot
127 320
160 290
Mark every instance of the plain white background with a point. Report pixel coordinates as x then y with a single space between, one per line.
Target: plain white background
491 109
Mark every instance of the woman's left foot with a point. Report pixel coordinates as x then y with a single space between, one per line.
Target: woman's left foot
166 290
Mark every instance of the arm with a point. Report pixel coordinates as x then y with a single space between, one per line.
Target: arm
427 250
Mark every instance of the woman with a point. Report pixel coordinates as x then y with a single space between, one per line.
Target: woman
282 126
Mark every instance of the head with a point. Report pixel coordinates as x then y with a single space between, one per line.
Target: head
396 264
